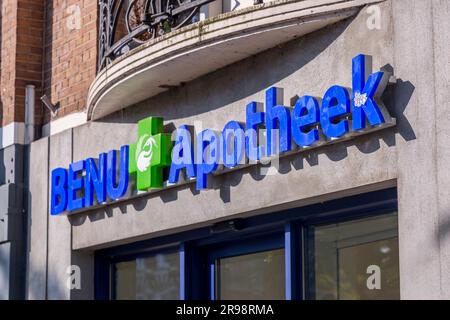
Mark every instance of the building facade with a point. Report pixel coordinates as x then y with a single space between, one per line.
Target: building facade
225 150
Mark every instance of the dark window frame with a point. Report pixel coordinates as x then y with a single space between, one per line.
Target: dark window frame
261 243
196 246
308 275
128 257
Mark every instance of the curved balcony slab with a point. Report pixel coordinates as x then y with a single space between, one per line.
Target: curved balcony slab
197 49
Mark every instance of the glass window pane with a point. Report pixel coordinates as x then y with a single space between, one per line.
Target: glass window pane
125 280
251 276
150 278
355 259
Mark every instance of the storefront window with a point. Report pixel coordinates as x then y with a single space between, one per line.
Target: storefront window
150 278
251 276
354 260
347 255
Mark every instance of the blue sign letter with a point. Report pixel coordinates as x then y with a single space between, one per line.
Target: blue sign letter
76 182
306 115
366 93
95 180
253 119
275 111
119 191
233 130
58 201
335 106
207 156
182 155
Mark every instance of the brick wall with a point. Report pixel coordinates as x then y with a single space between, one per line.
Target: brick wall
70 52
29 37
21 56
1 104
8 57
52 46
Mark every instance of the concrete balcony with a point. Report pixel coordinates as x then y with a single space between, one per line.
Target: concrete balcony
197 49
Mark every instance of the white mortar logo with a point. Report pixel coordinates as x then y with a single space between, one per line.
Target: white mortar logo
144 152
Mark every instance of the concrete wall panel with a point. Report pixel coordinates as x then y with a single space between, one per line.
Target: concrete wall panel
59 229
38 220
418 185
441 35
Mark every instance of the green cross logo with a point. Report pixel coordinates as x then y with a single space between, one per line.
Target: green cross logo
150 154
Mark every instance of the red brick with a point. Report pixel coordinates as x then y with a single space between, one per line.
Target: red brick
57 61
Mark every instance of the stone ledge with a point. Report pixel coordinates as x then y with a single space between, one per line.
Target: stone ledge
209 45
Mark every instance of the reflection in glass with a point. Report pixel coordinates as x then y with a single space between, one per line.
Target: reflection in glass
251 276
150 278
344 259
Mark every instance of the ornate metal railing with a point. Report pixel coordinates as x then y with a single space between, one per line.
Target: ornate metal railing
126 24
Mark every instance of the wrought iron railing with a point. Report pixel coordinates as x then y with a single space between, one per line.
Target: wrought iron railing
126 24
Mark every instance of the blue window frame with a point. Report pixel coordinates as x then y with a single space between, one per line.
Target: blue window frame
236 248
340 251
148 267
198 249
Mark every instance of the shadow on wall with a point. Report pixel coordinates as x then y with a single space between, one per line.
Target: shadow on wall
38 286
443 231
2 164
396 99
